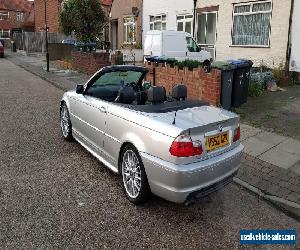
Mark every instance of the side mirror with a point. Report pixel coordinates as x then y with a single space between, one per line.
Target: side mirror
79 89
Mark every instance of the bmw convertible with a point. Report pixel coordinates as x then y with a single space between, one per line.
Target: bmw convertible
160 143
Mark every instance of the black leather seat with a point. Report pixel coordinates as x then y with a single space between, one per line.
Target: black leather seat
156 94
179 92
126 95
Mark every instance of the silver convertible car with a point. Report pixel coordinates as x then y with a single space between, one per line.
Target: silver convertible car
165 144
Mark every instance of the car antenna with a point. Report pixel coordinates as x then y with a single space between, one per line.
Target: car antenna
174 121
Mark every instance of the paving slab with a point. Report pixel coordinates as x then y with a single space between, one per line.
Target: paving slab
296 168
256 147
248 131
280 157
290 145
271 138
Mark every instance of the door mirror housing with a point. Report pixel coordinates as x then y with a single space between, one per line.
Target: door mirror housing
79 89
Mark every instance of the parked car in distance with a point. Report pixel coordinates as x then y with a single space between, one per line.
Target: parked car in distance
69 41
1 50
174 44
176 148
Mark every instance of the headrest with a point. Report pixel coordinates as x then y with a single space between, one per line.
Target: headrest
179 92
156 94
126 95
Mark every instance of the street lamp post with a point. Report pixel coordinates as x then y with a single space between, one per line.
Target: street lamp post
46 29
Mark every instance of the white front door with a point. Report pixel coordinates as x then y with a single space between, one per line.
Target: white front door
207 31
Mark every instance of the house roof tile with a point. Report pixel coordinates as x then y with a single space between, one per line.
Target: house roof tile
106 2
16 5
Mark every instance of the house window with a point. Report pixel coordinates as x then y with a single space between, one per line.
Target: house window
129 30
4 33
20 17
252 24
207 28
185 23
4 15
158 22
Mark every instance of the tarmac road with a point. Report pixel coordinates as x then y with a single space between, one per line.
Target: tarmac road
54 194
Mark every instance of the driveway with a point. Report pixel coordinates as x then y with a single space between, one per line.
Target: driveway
54 194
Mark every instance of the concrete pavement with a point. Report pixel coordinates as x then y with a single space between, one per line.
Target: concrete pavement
280 151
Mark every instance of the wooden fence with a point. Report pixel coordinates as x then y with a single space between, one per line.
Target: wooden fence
36 41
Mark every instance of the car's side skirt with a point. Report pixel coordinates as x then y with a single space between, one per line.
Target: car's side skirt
81 140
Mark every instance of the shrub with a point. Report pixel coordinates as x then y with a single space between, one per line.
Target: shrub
279 75
190 64
256 89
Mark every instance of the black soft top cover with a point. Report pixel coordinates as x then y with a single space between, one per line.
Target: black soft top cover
166 106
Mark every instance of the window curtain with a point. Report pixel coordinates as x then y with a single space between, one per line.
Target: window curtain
251 29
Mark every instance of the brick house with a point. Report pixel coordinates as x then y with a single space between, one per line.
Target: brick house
15 16
257 30
254 29
53 9
126 24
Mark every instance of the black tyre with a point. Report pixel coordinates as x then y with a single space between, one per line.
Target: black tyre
135 182
65 123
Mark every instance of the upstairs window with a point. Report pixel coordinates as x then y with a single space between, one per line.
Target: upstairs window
185 23
20 17
158 22
129 30
4 15
252 24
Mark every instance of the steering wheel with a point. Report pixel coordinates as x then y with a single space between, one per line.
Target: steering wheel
134 85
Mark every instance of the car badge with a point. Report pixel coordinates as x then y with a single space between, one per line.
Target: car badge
220 128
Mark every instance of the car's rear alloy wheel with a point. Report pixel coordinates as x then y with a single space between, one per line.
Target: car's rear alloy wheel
65 123
135 181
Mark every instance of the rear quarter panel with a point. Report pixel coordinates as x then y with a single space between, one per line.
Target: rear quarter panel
127 126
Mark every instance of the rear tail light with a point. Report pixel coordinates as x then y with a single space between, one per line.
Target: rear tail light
183 146
237 134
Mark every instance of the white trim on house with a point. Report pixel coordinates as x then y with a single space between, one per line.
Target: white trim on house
2 31
251 12
170 8
4 13
129 22
158 19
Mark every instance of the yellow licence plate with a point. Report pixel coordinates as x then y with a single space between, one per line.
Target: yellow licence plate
217 141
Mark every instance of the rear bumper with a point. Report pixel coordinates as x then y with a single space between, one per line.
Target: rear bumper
180 183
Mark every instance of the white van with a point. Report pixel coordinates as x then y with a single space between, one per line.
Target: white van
174 44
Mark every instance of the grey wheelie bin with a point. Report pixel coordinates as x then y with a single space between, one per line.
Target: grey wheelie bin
240 82
227 73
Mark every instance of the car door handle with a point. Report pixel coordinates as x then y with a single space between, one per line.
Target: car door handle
103 110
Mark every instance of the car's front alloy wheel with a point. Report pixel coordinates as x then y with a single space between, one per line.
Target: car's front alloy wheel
135 181
65 123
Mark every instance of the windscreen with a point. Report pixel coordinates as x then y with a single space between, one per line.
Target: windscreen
118 78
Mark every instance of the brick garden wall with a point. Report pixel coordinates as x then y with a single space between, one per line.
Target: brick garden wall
200 85
89 63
